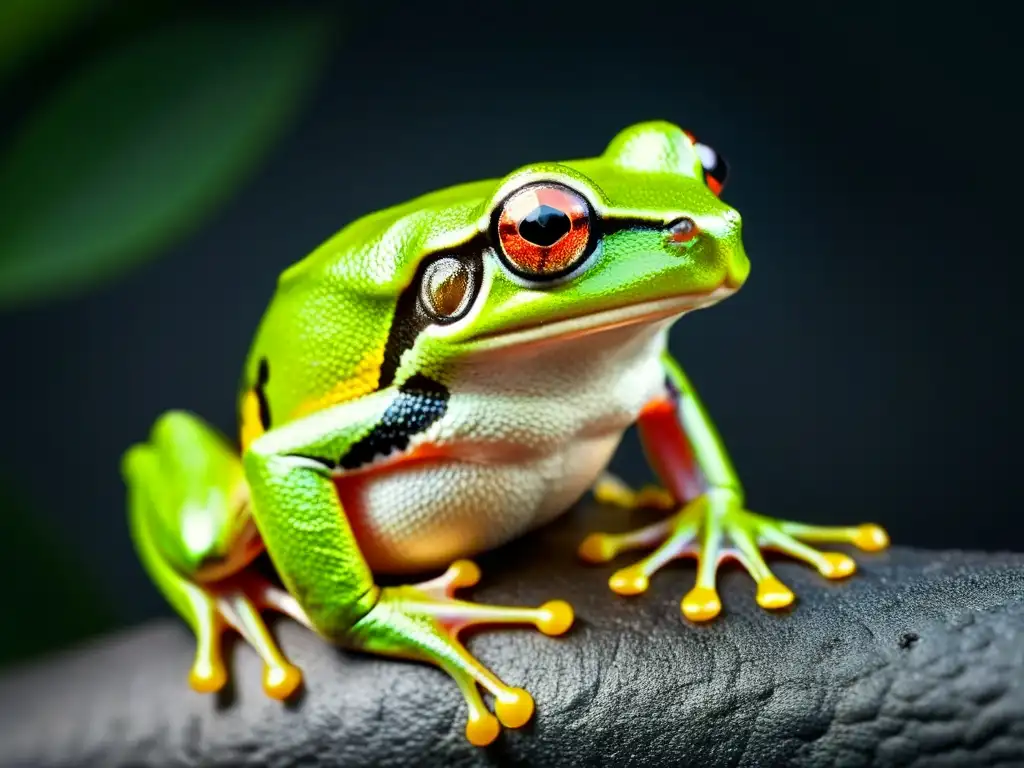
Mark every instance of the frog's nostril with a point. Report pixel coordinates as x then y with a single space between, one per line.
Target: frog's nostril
683 230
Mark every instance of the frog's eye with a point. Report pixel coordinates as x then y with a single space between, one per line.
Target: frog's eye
544 231
716 170
446 288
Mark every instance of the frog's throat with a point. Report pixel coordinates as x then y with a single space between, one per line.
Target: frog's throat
569 328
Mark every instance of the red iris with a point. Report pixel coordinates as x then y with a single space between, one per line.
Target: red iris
544 230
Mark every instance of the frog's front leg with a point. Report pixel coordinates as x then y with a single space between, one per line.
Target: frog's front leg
712 524
292 472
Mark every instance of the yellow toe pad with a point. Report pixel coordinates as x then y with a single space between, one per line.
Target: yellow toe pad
629 581
207 678
772 594
482 730
836 565
465 573
280 682
514 707
871 537
555 618
596 548
701 604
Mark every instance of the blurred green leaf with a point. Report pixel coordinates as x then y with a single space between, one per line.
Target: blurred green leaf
50 600
26 25
140 144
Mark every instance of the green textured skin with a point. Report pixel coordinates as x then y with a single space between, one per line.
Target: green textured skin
339 302
334 306
324 334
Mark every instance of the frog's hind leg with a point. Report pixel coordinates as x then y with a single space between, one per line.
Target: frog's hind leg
427 627
187 513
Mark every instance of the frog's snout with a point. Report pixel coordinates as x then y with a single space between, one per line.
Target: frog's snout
730 241
738 266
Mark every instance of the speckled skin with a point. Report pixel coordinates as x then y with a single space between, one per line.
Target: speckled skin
441 377
328 323
554 416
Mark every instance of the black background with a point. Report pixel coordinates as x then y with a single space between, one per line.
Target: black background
866 370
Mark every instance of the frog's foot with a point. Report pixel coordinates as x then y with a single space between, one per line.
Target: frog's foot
713 528
609 489
423 622
236 603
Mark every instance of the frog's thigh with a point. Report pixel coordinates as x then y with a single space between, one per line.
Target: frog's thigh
189 600
187 496
188 521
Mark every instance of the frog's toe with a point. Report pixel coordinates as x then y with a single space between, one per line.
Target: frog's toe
208 674
832 565
742 531
281 680
772 594
604 547
235 603
869 537
513 706
701 604
751 533
670 538
461 573
424 621
610 489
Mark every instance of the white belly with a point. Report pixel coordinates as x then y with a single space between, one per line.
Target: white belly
528 432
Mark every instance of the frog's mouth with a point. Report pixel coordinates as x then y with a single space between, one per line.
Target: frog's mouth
564 329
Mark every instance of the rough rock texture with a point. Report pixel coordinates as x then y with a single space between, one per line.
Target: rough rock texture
918 660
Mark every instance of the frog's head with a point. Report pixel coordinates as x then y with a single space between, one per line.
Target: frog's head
634 234
552 251
561 249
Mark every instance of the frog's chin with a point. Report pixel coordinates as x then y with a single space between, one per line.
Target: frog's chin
567 329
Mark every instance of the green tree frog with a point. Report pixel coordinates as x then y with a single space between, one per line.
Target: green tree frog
443 376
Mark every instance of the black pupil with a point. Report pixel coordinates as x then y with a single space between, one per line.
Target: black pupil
544 225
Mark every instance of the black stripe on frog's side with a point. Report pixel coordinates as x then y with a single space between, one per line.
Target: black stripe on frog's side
260 390
411 318
420 402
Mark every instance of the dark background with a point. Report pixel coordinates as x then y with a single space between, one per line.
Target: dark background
863 373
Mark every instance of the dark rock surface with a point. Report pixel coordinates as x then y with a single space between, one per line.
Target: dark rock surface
917 660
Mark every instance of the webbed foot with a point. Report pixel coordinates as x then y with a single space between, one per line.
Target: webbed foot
235 603
715 527
423 621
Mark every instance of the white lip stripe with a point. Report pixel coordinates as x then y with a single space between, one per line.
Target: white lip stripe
598 321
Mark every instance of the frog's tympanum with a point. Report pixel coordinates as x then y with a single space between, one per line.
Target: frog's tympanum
443 376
